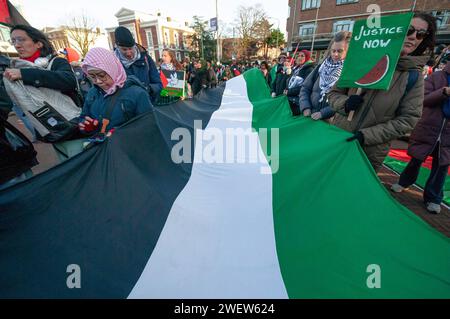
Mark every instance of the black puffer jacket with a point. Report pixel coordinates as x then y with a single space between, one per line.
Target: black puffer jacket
302 72
280 83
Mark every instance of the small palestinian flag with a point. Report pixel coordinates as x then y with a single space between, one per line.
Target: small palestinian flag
163 79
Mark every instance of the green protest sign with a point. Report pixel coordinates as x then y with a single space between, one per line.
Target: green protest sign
374 52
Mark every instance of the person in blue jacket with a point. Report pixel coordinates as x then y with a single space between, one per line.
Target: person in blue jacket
136 61
112 88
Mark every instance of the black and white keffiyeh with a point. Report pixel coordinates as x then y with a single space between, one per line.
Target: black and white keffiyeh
329 72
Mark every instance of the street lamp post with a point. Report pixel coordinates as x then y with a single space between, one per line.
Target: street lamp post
217 30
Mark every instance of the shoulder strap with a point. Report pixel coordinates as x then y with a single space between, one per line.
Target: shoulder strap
109 109
50 63
316 72
413 76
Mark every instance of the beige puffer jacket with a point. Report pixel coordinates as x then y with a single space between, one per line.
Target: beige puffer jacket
384 116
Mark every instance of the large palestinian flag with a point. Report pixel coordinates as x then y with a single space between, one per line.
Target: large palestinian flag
306 219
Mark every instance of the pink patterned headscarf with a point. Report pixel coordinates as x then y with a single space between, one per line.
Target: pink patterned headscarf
105 60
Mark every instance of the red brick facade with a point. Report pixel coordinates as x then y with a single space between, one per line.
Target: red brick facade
330 12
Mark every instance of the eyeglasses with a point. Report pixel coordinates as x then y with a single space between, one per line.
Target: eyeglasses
99 76
420 34
15 41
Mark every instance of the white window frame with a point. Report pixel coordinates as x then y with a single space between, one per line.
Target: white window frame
339 2
176 40
445 16
184 41
307 26
132 29
343 25
166 39
310 4
150 43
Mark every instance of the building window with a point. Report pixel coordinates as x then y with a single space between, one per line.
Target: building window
178 54
322 55
183 43
166 39
132 30
338 2
310 4
344 25
442 19
176 40
150 44
307 29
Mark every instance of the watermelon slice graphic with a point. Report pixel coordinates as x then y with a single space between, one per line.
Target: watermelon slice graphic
376 74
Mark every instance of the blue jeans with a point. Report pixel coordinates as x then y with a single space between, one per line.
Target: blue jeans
433 191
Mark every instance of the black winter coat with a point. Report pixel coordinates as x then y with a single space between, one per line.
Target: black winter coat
198 80
280 83
303 73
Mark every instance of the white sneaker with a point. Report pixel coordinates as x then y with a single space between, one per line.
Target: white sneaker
398 188
433 208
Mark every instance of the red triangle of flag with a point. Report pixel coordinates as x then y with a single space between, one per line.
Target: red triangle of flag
163 79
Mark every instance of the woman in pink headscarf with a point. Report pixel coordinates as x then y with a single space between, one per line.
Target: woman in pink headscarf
115 98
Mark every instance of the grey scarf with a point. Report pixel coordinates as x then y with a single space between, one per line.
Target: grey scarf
127 63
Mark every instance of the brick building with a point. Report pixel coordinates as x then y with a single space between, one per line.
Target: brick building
313 22
154 32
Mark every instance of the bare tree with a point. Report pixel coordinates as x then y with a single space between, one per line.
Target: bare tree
84 32
248 24
262 32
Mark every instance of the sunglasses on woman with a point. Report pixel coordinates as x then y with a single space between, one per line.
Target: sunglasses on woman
420 34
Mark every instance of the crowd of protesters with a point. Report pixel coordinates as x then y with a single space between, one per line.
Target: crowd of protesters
112 87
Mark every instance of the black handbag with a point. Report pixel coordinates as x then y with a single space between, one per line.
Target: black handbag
59 128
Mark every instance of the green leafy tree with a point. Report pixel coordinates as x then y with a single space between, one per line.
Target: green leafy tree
203 42
274 40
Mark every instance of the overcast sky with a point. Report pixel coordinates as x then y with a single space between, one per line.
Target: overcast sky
42 13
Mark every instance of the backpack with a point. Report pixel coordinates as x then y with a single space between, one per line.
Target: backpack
17 154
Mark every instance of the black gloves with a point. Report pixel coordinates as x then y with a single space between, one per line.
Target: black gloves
353 103
357 136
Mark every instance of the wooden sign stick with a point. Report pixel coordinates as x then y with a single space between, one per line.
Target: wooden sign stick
350 115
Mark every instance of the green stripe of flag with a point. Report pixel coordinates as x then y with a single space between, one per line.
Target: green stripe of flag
333 219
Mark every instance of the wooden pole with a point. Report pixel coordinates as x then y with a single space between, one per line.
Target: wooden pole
350 115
